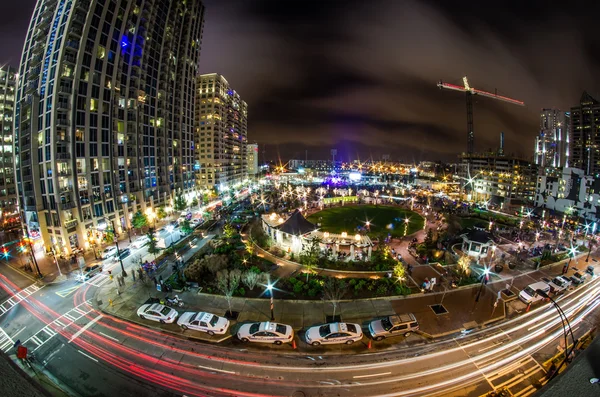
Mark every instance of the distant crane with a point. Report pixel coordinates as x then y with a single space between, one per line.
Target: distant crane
466 88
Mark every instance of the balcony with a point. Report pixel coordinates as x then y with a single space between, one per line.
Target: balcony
75 31
68 205
72 45
63 105
83 5
78 19
26 162
62 122
63 156
70 59
71 225
64 172
64 89
31 86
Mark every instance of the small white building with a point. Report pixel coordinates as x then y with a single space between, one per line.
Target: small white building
477 243
294 233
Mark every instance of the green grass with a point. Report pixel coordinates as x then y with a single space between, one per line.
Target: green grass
467 223
348 217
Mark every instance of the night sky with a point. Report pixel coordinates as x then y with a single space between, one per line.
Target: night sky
360 76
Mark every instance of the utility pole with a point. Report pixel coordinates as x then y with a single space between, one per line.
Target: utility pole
31 252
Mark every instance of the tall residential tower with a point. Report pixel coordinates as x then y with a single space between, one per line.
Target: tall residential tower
222 133
104 114
584 148
8 193
552 143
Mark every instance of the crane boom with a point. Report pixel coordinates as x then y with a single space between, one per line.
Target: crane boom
470 91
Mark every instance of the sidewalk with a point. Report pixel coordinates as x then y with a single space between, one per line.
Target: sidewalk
463 313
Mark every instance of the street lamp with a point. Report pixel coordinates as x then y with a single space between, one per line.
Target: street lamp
169 230
564 320
270 289
124 273
587 259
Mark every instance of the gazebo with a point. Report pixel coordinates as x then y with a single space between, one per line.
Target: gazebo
476 243
293 233
288 234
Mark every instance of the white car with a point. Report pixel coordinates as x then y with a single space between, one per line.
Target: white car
266 332
205 322
157 312
194 222
333 333
140 242
558 284
109 252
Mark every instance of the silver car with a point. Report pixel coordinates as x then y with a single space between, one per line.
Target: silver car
403 324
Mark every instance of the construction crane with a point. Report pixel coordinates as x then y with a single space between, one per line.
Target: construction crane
470 91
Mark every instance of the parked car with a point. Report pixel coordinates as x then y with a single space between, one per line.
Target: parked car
140 242
590 270
404 324
205 322
90 271
109 252
578 278
266 332
530 295
558 284
157 312
334 333
124 253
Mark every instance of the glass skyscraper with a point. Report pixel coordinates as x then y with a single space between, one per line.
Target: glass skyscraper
104 114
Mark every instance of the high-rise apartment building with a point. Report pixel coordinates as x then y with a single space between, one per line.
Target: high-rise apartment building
221 133
584 146
8 193
104 114
552 143
252 156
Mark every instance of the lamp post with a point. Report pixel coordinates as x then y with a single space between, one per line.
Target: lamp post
587 259
566 330
123 272
486 272
170 229
270 289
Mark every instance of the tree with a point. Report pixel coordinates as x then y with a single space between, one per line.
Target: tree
180 203
333 291
139 220
152 248
310 255
228 282
194 202
249 245
251 278
214 263
229 231
186 228
464 265
400 272
429 238
161 213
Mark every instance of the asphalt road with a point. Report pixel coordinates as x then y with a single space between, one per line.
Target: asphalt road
92 353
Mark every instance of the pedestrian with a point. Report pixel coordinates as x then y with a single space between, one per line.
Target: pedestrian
565 268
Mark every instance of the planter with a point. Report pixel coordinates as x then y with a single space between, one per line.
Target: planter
512 265
498 268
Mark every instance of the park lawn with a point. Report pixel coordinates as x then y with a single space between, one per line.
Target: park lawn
468 223
383 219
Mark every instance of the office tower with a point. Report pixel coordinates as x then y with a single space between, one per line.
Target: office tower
8 194
221 133
584 146
104 115
552 142
252 158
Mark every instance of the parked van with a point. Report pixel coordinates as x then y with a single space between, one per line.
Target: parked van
530 295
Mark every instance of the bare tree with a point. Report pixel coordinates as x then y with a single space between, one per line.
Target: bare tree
214 263
228 282
251 278
333 291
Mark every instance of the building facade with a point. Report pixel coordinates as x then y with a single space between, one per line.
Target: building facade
552 143
569 191
221 133
499 179
584 146
8 193
104 114
252 156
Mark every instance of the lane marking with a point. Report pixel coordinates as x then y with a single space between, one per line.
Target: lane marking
109 337
88 356
19 331
84 328
218 370
371 375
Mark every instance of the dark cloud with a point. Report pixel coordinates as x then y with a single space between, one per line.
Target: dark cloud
361 76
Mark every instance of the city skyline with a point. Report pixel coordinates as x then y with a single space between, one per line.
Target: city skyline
369 96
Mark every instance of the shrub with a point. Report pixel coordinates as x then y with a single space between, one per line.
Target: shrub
298 287
352 282
360 285
241 291
292 280
381 290
313 292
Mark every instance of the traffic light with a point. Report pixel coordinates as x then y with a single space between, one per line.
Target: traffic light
5 252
